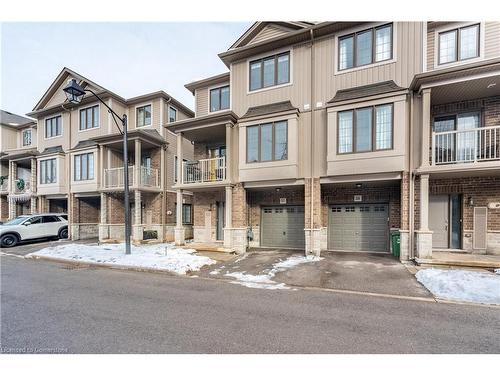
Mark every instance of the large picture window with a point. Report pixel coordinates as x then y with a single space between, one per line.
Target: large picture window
365 129
219 99
143 115
458 44
48 171
270 71
53 127
267 142
365 47
84 167
89 118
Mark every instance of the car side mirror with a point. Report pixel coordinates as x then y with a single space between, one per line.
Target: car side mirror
27 223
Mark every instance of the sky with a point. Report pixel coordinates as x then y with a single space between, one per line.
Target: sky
129 59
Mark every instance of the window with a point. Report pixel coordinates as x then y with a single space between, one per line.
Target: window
89 118
50 219
267 142
84 167
27 137
219 99
459 44
365 129
143 115
172 115
34 220
48 171
270 71
187 217
53 127
365 47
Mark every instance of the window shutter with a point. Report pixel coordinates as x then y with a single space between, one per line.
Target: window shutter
480 227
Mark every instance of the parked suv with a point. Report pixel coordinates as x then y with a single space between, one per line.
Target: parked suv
30 227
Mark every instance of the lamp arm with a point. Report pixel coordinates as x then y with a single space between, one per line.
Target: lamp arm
115 115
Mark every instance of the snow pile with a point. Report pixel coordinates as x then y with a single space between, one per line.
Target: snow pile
165 257
460 285
264 281
497 271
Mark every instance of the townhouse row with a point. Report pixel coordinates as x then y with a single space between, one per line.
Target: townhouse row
321 136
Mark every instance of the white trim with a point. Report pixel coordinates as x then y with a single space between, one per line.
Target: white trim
39 173
424 46
457 80
373 25
145 104
453 26
45 124
98 104
72 166
264 55
216 87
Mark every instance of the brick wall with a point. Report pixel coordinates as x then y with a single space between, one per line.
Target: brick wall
152 203
4 207
116 211
58 205
317 210
240 207
332 194
86 210
405 201
205 201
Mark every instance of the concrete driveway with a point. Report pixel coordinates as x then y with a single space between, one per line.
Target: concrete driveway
363 272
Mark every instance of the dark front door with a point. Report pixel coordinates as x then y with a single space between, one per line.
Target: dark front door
221 219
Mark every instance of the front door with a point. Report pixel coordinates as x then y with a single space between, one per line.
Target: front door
445 221
220 221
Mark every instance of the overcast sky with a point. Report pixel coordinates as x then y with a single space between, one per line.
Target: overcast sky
129 59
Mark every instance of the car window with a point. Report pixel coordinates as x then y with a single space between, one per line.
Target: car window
65 217
35 220
16 221
50 219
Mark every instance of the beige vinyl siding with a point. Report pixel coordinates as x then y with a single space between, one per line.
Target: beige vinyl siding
492 40
187 152
201 101
268 32
8 137
430 48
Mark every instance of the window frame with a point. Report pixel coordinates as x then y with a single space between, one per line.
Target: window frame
137 115
44 169
220 98
184 221
45 126
261 61
92 108
259 144
80 156
26 131
373 129
457 31
455 115
373 49
170 108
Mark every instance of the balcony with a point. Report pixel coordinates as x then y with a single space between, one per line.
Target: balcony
4 185
466 146
148 177
204 171
22 187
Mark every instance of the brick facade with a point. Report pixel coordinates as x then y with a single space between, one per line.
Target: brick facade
240 207
86 210
4 208
58 205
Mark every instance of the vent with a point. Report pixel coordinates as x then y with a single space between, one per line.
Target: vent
480 226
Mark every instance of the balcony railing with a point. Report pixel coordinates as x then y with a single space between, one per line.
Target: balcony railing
4 186
205 170
148 177
21 188
466 146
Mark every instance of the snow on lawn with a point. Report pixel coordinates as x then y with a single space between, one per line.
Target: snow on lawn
460 285
497 271
264 281
165 257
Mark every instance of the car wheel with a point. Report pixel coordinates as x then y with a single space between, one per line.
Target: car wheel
63 233
9 240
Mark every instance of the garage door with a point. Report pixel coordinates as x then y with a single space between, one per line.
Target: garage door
282 226
359 227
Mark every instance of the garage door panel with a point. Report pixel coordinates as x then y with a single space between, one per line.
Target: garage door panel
283 226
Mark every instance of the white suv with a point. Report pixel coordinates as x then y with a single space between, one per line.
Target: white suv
30 227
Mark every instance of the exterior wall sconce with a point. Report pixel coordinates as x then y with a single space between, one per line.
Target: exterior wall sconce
470 201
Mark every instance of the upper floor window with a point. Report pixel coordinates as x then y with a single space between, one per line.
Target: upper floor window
267 142
365 129
27 137
84 167
219 99
459 44
365 47
270 71
143 115
53 127
48 171
89 118
172 114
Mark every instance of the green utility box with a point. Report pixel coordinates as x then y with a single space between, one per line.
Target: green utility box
396 243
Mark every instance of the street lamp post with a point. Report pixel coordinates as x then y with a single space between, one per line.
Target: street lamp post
75 93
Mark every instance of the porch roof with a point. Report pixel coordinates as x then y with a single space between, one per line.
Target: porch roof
19 154
150 136
226 117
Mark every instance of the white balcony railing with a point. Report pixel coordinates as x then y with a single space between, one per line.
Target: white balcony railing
4 186
466 146
149 177
21 188
205 170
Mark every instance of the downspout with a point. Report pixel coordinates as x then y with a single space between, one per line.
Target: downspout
411 182
312 135
164 175
68 176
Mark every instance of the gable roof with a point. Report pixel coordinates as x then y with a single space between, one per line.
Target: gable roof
11 119
214 80
257 27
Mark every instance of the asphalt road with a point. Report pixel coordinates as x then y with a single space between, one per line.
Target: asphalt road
50 307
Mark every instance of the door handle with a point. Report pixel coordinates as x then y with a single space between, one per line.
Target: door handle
284 233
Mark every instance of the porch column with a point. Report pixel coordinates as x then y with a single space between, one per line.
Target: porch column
315 233
180 232
137 223
12 189
229 156
33 176
102 174
424 235
103 227
426 126
405 217
137 163
179 158
239 219
229 217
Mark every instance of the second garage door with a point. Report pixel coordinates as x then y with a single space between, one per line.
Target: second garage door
282 226
359 227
